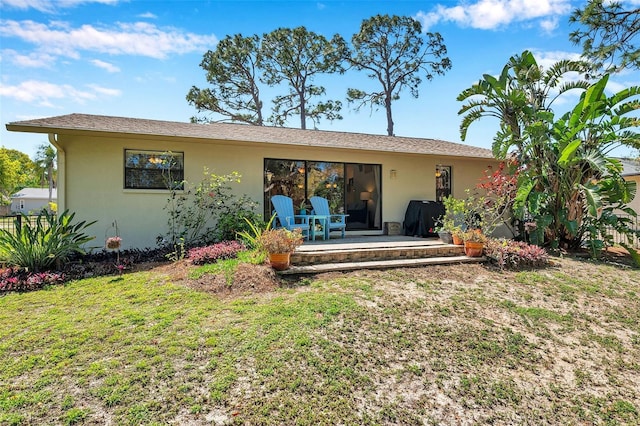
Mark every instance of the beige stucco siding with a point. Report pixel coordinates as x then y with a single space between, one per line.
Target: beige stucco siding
635 204
94 175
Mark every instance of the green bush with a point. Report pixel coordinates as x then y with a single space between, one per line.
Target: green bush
42 246
207 212
233 218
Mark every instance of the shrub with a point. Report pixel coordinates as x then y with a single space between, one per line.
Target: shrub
194 211
253 230
509 254
41 246
19 279
233 218
219 251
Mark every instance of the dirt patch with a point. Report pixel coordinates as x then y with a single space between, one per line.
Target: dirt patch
248 278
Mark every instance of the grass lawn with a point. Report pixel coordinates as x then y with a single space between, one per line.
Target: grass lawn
455 344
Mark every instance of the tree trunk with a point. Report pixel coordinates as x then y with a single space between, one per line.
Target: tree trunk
387 105
303 113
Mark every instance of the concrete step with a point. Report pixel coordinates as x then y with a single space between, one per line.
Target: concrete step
297 269
347 254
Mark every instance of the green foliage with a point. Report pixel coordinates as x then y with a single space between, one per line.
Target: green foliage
608 33
520 99
41 246
232 71
233 218
295 57
207 211
566 182
473 212
75 416
254 230
635 255
178 252
454 214
46 165
394 51
17 171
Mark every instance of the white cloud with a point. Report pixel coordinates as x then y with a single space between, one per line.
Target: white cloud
49 6
546 58
105 65
138 38
32 60
492 14
147 15
46 94
615 87
549 25
105 90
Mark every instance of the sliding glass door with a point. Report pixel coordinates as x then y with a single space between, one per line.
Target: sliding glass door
349 187
363 196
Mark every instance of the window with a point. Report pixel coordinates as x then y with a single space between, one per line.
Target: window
443 182
21 205
153 169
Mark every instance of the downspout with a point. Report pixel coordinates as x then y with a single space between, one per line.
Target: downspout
62 181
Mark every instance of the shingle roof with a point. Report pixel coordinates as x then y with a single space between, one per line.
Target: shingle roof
36 193
74 123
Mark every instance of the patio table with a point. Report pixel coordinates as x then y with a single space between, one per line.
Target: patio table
318 219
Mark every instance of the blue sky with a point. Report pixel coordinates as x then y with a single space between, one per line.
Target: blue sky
140 58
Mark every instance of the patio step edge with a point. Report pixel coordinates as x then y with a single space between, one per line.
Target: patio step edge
375 254
381 264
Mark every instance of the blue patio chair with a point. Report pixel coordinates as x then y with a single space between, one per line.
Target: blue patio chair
336 221
283 206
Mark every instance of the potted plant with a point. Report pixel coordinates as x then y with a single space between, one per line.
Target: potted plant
113 243
474 243
279 244
445 235
452 221
303 207
457 236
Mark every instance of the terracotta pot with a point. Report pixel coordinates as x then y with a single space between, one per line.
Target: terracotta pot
473 248
457 240
280 261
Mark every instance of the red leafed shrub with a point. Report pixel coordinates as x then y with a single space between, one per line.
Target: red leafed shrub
510 254
19 279
210 254
502 182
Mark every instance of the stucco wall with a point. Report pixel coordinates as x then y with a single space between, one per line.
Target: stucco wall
635 204
94 175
